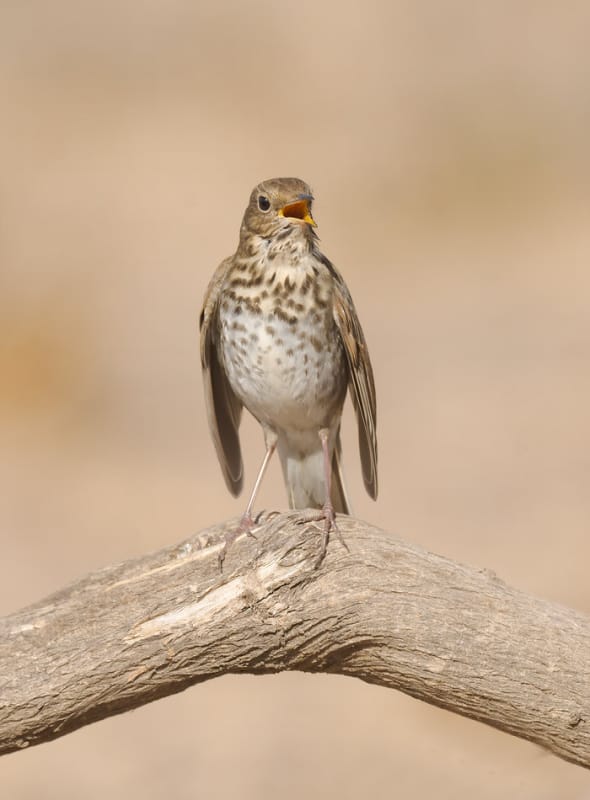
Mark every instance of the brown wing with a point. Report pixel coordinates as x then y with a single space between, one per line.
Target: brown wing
224 410
362 385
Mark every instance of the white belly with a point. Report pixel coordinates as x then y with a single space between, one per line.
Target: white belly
287 376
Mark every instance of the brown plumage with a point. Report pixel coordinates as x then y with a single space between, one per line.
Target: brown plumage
280 336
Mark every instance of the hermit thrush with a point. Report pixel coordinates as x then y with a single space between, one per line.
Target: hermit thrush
280 336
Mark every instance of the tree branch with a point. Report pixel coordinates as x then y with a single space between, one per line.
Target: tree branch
387 612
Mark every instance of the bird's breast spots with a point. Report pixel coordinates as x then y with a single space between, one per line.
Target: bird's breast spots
306 284
294 305
282 315
241 303
281 382
321 298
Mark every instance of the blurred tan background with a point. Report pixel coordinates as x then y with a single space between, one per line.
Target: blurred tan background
447 144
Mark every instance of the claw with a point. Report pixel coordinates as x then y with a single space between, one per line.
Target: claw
246 524
328 516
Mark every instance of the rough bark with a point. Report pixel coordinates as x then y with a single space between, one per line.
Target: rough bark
386 612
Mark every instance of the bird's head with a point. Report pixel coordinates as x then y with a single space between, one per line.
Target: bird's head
279 204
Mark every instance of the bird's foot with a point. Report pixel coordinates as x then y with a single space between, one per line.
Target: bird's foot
247 523
328 516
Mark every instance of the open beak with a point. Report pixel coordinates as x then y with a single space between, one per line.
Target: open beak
299 210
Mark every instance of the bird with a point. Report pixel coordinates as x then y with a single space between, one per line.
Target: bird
280 336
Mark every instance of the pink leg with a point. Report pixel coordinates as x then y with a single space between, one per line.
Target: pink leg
247 522
327 514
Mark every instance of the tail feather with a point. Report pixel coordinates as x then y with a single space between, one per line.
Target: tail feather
304 478
338 494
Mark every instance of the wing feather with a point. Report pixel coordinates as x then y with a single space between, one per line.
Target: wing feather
361 383
224 409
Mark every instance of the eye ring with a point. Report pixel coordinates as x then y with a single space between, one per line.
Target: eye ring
263 202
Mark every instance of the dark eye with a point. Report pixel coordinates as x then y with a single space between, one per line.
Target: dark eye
263 203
